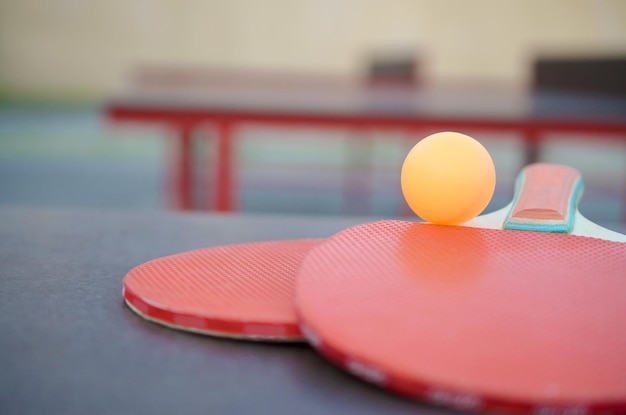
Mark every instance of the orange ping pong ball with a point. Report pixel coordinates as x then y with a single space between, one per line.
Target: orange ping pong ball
448 178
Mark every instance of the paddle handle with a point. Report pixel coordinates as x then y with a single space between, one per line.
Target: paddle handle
546 199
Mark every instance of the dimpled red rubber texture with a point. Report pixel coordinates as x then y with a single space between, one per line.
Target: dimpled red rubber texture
241 290
476 319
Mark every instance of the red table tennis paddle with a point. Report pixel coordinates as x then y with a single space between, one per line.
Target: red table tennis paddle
476 317
243 291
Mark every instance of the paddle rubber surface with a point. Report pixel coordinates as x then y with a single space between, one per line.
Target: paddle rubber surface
476 319
243 291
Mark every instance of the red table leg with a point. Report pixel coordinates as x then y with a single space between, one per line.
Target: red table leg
180 179
531 138
624 200
224 175
358 171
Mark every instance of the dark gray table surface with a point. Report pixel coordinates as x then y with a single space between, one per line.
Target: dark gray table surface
69 345
328 97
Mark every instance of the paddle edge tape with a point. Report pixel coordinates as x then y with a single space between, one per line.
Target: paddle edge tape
241 330
567 192
444 396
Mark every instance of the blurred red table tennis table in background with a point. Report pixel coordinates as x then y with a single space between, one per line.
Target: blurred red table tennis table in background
188 99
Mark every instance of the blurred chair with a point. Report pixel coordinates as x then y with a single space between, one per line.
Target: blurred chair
400 70
585 85
393 74
594 75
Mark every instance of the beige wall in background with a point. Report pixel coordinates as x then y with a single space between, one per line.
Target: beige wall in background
87 47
